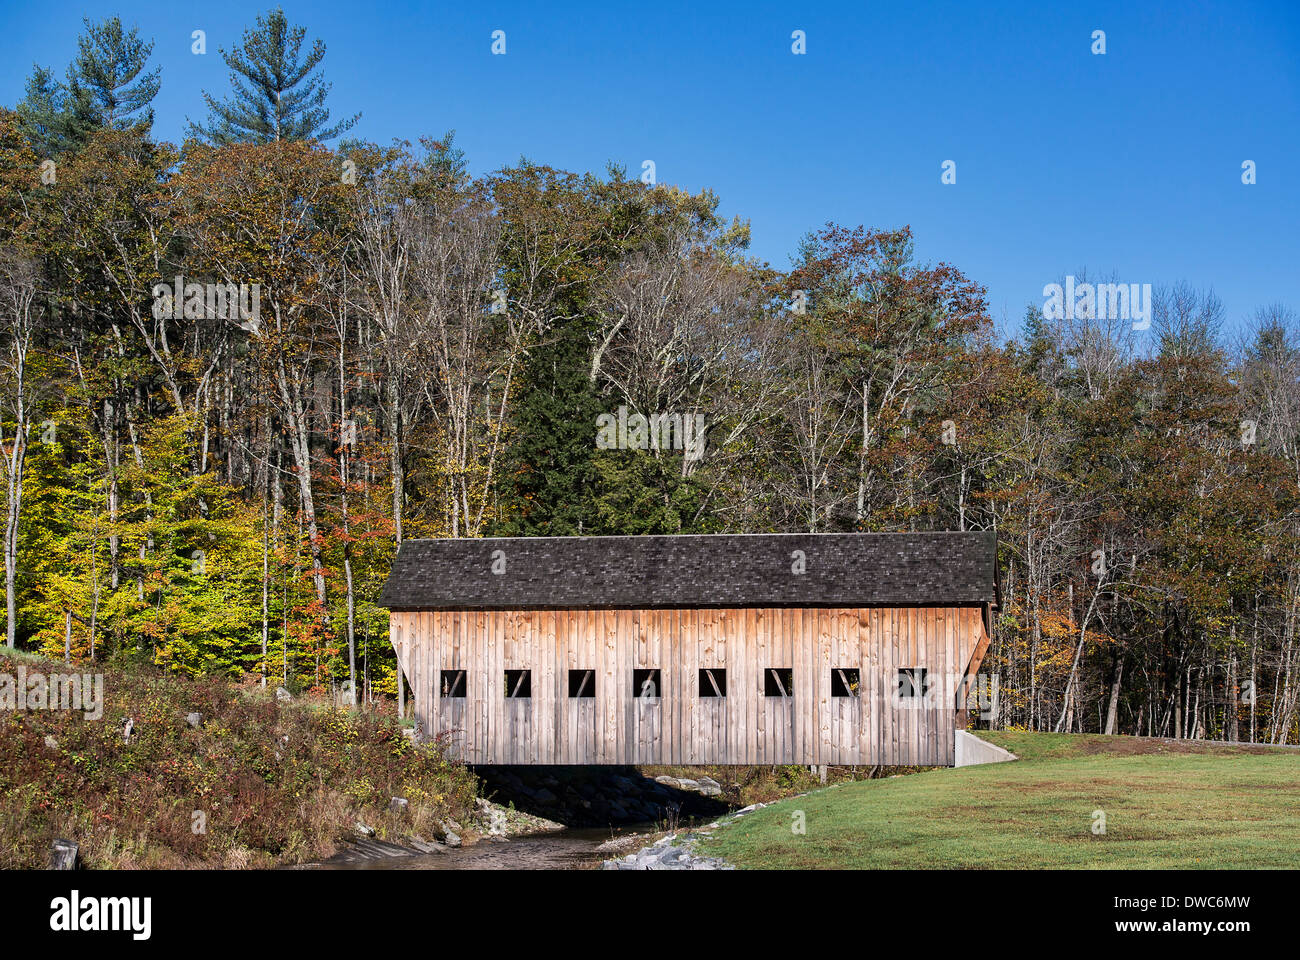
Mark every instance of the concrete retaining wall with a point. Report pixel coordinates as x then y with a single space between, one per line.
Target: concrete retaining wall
972 750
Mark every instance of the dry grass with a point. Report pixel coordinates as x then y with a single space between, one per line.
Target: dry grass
259 784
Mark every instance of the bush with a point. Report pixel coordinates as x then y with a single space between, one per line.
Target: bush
258 784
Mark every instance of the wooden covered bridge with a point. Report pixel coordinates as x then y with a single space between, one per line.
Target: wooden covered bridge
749 649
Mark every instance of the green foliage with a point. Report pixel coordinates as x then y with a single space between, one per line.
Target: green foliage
173 580
276 95
638 493
198 501
53 117
551 471
107 72
106 88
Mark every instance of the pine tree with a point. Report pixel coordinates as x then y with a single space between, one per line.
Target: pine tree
277 96
107 73
551 471
54 118
40 111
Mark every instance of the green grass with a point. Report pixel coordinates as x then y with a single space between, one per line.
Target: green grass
1167 805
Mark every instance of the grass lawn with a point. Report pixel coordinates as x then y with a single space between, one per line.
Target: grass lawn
1167 804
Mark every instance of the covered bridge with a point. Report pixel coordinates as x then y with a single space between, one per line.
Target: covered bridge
746 649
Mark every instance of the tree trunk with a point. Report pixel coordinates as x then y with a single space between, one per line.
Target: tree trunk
1112 709
300 444
347 435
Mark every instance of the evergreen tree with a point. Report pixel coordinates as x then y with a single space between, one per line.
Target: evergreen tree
551 477
107 73
53 117
277 96
40 111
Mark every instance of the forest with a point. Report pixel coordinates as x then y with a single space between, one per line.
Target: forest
236 373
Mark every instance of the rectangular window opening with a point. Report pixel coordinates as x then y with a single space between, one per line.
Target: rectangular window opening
451 683
519 684
647 684
912 682
713 682
845 682
582 684
778 682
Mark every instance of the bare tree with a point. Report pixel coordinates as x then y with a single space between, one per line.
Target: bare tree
18 286
388 218
472 340
683 332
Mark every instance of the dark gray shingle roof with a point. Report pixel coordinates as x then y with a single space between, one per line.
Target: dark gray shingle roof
841 569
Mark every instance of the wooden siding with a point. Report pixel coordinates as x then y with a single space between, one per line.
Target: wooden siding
679 726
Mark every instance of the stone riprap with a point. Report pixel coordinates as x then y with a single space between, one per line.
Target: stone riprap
667 853
674 853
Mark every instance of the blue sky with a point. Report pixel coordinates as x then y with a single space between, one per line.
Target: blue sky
1128 162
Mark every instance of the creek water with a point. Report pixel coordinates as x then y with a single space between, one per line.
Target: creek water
562 850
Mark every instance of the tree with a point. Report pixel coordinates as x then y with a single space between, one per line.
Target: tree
20 284
279 97
274 214
107 73
391 208
18 289
51 117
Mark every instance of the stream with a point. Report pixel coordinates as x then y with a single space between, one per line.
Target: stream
563 850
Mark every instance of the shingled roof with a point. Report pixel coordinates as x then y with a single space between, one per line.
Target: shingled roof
748 570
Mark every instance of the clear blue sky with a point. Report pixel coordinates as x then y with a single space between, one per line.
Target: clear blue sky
1128 162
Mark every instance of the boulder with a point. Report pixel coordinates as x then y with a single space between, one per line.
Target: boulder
63 855
424 846
710 787
448 831
283 695
493 818
51 743
362 830
398 805
194 719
